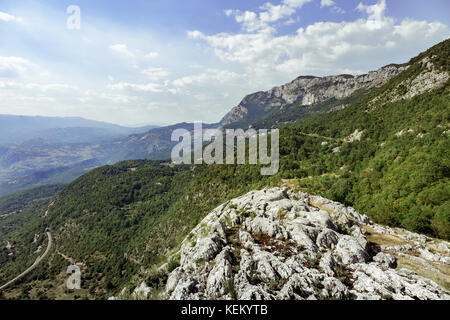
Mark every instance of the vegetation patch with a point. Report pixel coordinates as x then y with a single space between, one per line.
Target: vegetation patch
442 278
383 239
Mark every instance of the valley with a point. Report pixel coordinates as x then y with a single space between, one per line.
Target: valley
362 198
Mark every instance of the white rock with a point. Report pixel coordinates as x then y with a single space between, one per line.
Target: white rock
142 291
219 275
287 245
385 261
350 251
327 239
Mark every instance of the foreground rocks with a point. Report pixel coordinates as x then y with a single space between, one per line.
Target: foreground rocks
277 244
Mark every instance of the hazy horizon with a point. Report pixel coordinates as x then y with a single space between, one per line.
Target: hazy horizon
133 125
169 62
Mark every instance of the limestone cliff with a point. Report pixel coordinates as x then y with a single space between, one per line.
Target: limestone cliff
308 90
279 244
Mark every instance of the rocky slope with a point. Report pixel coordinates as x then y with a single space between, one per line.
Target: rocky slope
308 90
429 77
278 244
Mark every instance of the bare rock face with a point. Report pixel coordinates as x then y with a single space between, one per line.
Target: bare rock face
429 78
278 244
355 136
142 291
309 90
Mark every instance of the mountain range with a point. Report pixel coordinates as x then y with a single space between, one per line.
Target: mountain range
305 91
362 199
58 150
22 129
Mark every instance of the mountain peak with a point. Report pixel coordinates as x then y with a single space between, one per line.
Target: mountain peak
307 91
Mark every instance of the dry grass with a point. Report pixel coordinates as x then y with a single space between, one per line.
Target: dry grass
291 184
320 206
443 278
383 239
434 249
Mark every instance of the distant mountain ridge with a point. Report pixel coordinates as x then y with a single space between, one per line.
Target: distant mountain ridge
64 156
138 225
44 150
59 150
16 129
307 91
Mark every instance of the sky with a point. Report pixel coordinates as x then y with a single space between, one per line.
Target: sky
161 62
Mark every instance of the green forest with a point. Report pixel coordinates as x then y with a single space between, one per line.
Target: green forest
122 220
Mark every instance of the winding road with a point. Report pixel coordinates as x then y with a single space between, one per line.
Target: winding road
33 266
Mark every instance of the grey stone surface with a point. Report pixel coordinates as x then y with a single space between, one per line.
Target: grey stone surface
278 244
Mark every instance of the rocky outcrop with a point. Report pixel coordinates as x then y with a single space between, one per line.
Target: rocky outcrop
430 77
308 90
355 136
142 291
279 244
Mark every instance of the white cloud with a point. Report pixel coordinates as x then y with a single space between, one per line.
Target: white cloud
253 21
122 49
147 87
192 85
204 97
291 21
374 12
55 87
249 20
275 12
95 97
156 74
152 55
361 7
188 77
336 9
14 66
228 12
210 76
331 3
325 48
197 66
194 34
410 29
8 18
326 3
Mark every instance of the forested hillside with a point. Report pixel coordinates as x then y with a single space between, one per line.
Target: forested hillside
385 153
398 172
21 228
120 220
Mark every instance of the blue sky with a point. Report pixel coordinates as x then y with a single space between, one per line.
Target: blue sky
167 61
